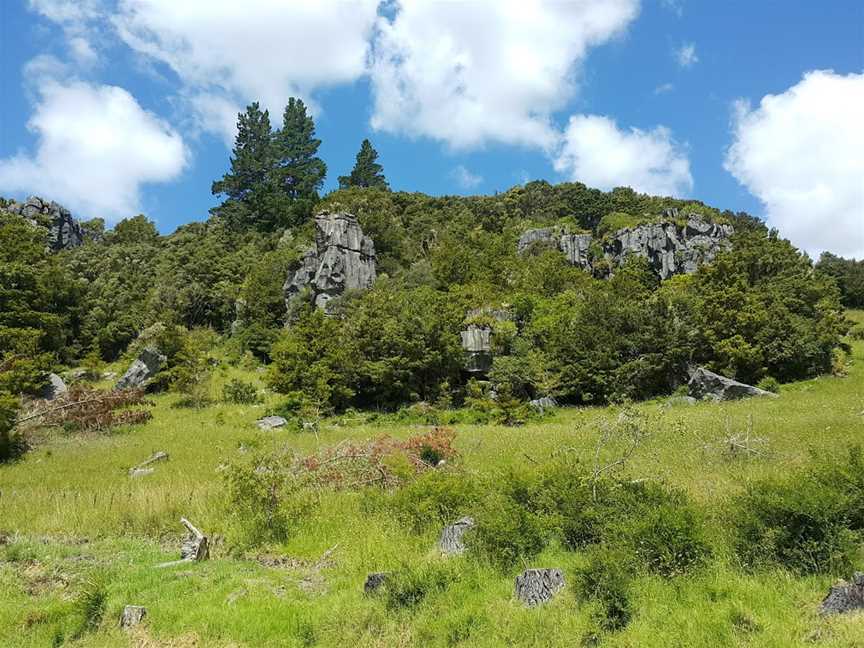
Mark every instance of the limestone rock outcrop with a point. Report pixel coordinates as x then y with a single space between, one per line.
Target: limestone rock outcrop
452 540
145 366
54 388
477 338
670 247
343 258
64 232
845 597
707 384
536 586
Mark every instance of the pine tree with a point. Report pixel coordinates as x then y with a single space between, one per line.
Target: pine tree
252 156
366 172
299 172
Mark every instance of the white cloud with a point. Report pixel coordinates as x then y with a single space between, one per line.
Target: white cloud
675 6
599 154
228 54
95 147
468 73
686 55
800 153
465 178
664 88
79 20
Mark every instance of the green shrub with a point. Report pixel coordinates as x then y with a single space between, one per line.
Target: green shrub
857 332
240 392
264 500
807 523
769 384
12 443
408 586
606 579
435 498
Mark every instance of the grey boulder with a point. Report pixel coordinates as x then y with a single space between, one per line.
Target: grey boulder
536 586
132 616
452 542
53 388
543 403
143 368
707 384
845 597
271 422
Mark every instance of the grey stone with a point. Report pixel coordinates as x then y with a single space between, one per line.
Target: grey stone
141 472
64 232
477 344
670 247
536 586
844 597
343 258
132 615
374 582
452 541
54 388
707 384
543 403
143 368
271 422
680 400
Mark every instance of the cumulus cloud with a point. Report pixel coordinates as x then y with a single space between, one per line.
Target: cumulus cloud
800 154
465 178
599 154
95 148
228 54
686 55
494 70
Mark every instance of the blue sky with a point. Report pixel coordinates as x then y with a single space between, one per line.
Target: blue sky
118 107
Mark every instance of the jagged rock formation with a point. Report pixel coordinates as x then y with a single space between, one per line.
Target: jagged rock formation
671 248
845 597
536 586
343 258
145 366
452 542
707 384
477 339
64 232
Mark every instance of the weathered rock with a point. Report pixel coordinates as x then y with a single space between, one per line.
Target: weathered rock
374 582
64 232
452 540
271 422
53 388
536 586
143 468
707 384
543 403
132 615
343 258
196 546
143 368
680 400
141 472
670 247
845 597
477 344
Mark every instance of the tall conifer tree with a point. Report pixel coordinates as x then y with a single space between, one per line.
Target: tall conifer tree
366 172
251 158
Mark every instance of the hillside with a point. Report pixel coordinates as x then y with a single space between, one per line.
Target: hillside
77 525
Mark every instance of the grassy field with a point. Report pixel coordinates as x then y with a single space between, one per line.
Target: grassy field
76 529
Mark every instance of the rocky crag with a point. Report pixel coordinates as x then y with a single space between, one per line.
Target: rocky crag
672 246
343 258
64 232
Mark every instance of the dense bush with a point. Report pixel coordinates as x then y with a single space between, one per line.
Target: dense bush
410 585
240 392
849 275
606 580
809 523
436 498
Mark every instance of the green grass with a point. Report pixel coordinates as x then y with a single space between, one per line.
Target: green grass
72 516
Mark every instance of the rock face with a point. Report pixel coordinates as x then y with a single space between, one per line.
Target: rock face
54 387
536 586
671 248
477 338
64 232
707 384
343 258
845 597
145 366
452 541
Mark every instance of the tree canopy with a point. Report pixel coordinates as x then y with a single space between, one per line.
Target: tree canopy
366 172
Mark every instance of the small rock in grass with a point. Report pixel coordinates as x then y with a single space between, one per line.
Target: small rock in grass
544 403
141 472
271 422
132 615
451 541
374 582
536 586
845 597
